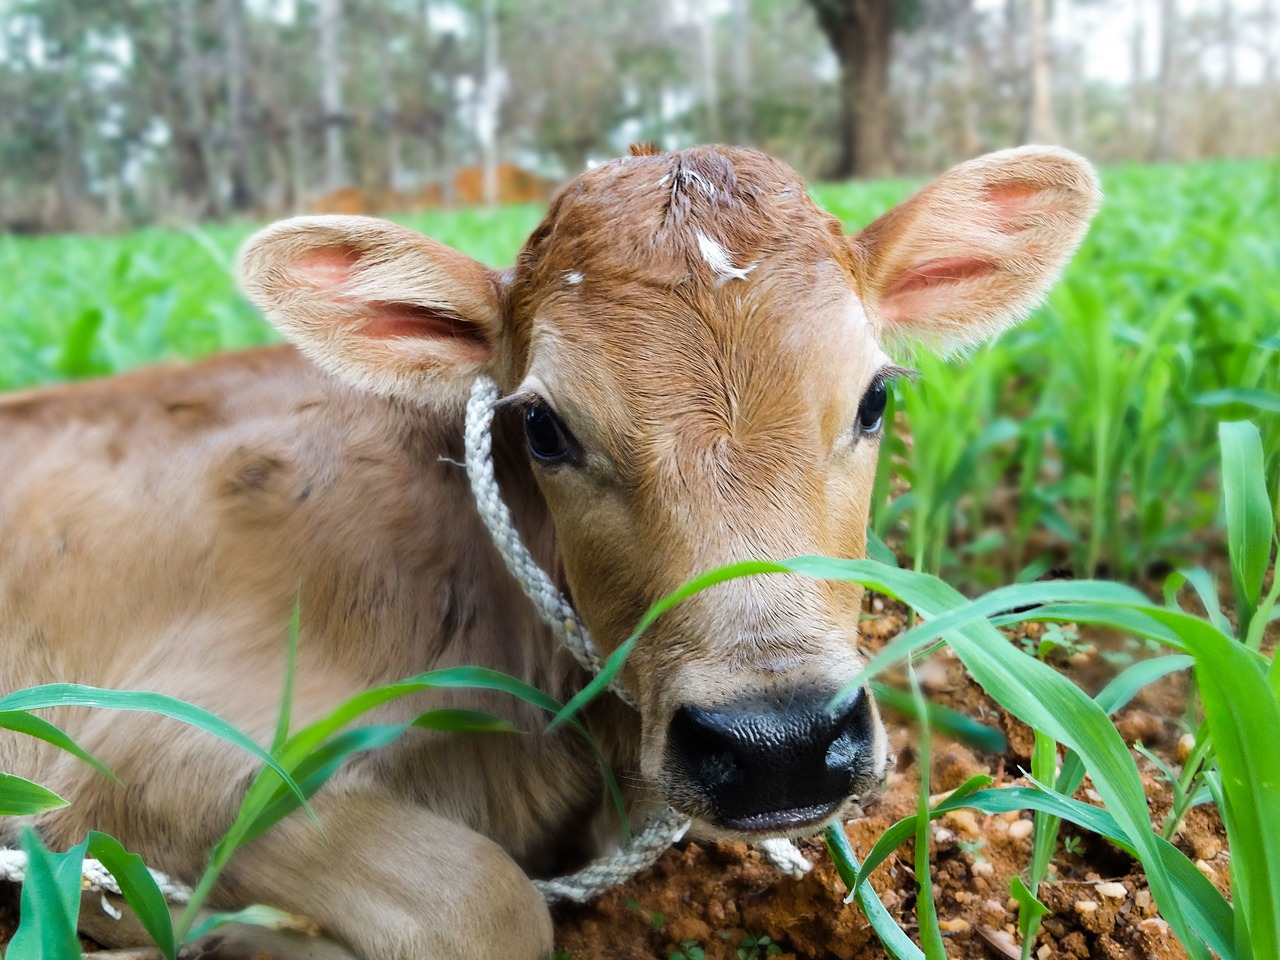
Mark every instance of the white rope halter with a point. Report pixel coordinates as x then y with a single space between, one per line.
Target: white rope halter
668 826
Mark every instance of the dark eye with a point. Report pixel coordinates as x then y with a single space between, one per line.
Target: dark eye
871 410
544 433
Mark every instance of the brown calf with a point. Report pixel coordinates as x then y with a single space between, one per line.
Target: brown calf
691 352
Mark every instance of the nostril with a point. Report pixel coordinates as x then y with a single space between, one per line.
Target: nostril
705 747
843 752
850 732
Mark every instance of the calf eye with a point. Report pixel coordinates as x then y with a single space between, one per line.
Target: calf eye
871 410
544 433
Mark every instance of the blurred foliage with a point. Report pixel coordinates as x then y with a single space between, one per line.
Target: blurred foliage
1085 437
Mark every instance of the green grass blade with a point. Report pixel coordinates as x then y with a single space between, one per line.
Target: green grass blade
897 943
138 888
1030 911
20 797
1115 696
257 914
1263 400
1208 910
1205 589
943 719
1042 698
898 833
22 722
1243 713
926 908
50 907
312 772
1250 524
79 695
290 670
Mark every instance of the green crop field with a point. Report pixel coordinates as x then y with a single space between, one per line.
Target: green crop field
1096 421
1090 438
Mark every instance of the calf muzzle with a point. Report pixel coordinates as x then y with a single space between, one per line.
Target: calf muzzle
757 765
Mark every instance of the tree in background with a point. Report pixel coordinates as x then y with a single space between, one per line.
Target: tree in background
861 35
116 112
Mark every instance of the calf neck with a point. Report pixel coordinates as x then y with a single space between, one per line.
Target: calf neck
694 361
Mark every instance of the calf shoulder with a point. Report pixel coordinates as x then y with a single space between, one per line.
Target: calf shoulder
160 528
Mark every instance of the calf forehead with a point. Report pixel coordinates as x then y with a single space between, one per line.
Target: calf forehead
672 226
704 283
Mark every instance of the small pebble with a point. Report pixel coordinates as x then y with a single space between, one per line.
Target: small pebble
1186 743
992 907
953 926
1142 898
961 897
1116 891
942 835
1021 829
1045 952
1086 907
983 869
964 822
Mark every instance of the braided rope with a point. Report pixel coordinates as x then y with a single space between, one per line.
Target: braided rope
551 604
94 876
599 875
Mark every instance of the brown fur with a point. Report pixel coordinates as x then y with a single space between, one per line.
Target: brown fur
707 335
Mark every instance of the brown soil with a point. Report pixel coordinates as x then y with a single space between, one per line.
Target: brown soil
722 899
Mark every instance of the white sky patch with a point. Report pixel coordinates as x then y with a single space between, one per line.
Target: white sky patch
719 261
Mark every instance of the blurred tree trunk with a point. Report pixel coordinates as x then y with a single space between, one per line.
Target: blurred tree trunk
332 70
236 65
1226 127
1137 119
707 63
297 161
861 34
197 164
740 11
490 97
1164 146
70 176
389 108
972 68
1042 127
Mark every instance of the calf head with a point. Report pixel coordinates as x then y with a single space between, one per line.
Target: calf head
698 354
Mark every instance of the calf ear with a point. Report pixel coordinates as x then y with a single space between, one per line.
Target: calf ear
377 304
976 250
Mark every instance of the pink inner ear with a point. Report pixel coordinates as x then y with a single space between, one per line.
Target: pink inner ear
1009 200
328 267
389 319
939 271
917 291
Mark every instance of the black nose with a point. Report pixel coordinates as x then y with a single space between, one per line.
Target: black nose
757 765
